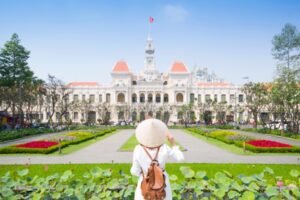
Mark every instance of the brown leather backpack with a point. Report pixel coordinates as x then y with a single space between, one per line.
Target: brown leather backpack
153 184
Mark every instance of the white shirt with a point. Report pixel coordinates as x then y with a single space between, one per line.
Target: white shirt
141 161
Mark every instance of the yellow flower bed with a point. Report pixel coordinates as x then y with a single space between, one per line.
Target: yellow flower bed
222 133
80 134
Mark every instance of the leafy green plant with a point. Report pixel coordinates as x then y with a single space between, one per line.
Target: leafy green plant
224 186
99 183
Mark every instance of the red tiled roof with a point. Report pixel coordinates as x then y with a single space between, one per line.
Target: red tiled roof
205 84
85 84
121 66
179 67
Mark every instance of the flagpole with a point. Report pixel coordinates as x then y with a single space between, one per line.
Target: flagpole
149 30
150 22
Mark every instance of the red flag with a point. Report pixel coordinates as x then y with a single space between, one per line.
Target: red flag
151 20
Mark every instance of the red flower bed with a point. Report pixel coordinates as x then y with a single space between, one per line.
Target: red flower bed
267 143
37 144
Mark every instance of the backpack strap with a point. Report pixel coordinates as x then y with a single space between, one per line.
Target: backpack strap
155 158
148 154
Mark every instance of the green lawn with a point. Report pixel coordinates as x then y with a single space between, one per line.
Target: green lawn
233 148
69 149
132 142
79 169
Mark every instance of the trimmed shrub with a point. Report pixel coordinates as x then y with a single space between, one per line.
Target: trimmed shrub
221 135
14 134
225 126
272 132
239 137
17 150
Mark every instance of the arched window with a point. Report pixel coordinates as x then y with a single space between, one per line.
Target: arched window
166 117
142 116
158 115
223 98
150 98
134 98
157 98
179 115
134 116
75 116
142 98
179 98
150 114
166 98
121 98
121 116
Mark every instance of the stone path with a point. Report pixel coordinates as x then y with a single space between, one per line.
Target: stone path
106 151
270 137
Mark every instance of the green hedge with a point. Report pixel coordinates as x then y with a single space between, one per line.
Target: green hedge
6 135
14 134
272 132
248 147
225 126
15 150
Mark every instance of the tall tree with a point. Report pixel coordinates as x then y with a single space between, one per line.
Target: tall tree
187 113
15 75
286 45
286 94
104 112
220 109
256 94
124 111
57 99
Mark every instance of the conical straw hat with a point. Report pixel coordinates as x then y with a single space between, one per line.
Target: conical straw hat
151 133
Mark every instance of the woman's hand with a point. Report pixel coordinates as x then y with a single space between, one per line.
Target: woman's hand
171 139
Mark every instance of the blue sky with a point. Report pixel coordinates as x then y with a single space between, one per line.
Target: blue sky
82 40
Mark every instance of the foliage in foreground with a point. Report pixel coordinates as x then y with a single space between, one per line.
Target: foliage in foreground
99 183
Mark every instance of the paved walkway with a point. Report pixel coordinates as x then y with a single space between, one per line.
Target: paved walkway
270 137
106 151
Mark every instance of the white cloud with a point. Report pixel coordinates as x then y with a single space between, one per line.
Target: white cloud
175 13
